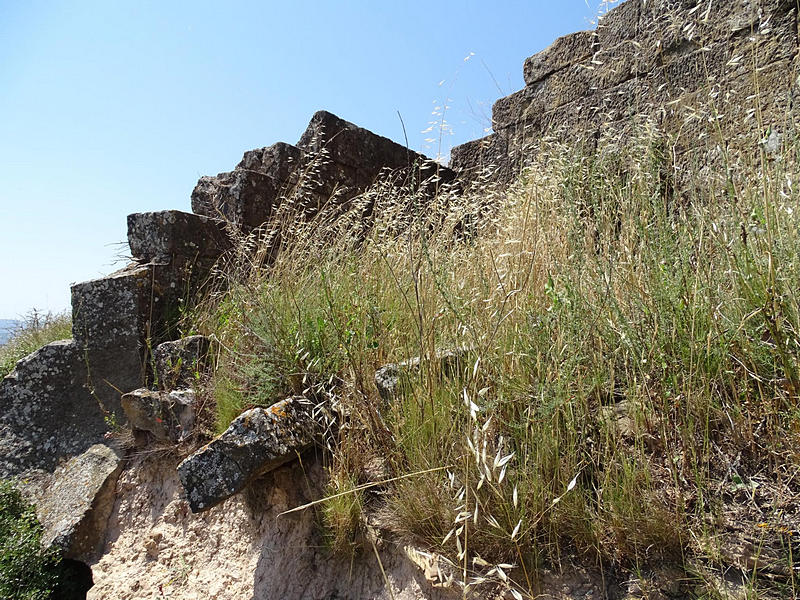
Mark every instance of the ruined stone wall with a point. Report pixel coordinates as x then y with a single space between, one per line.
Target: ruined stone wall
710 76
707 74
63 399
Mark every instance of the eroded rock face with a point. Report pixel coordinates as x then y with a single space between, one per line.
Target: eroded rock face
169 416
241 550
259 440
75 504
333 162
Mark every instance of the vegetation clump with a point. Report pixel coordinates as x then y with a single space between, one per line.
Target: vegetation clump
27 570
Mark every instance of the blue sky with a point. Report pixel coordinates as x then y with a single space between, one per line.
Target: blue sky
109 108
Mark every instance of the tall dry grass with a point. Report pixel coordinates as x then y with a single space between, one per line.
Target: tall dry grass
630 357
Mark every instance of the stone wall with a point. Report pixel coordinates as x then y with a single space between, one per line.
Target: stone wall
712 76
707 74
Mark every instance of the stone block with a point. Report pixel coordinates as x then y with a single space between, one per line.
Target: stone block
76 503
619 24
47 411
169 416
482 160
258 441
180 363
112 318
111 310
333 162
168 236
248 196
565 51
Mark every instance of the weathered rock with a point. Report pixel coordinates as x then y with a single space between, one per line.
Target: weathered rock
484 160
258 441
247 196
171 235
47 411
619 24
181 363
75 504
60 400
167 415
245 547
449 362
333 162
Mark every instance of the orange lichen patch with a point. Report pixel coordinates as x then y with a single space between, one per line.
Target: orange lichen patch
278 410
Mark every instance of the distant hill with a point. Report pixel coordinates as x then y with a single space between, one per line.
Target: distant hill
7 327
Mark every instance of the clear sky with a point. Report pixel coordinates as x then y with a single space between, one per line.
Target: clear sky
114 107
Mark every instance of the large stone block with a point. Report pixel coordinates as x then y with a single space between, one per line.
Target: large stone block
112 319
259 440
47 410
169 416
76 503
486 159
111 310
619 24
249 195
333 162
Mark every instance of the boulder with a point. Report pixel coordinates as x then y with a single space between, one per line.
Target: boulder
258 441
333 162
181 363
76 503
169 416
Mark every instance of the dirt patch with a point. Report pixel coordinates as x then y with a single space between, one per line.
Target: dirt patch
242 549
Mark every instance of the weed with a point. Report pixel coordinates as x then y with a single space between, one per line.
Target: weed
27 570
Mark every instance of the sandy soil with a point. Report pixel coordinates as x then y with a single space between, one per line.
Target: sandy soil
156 548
